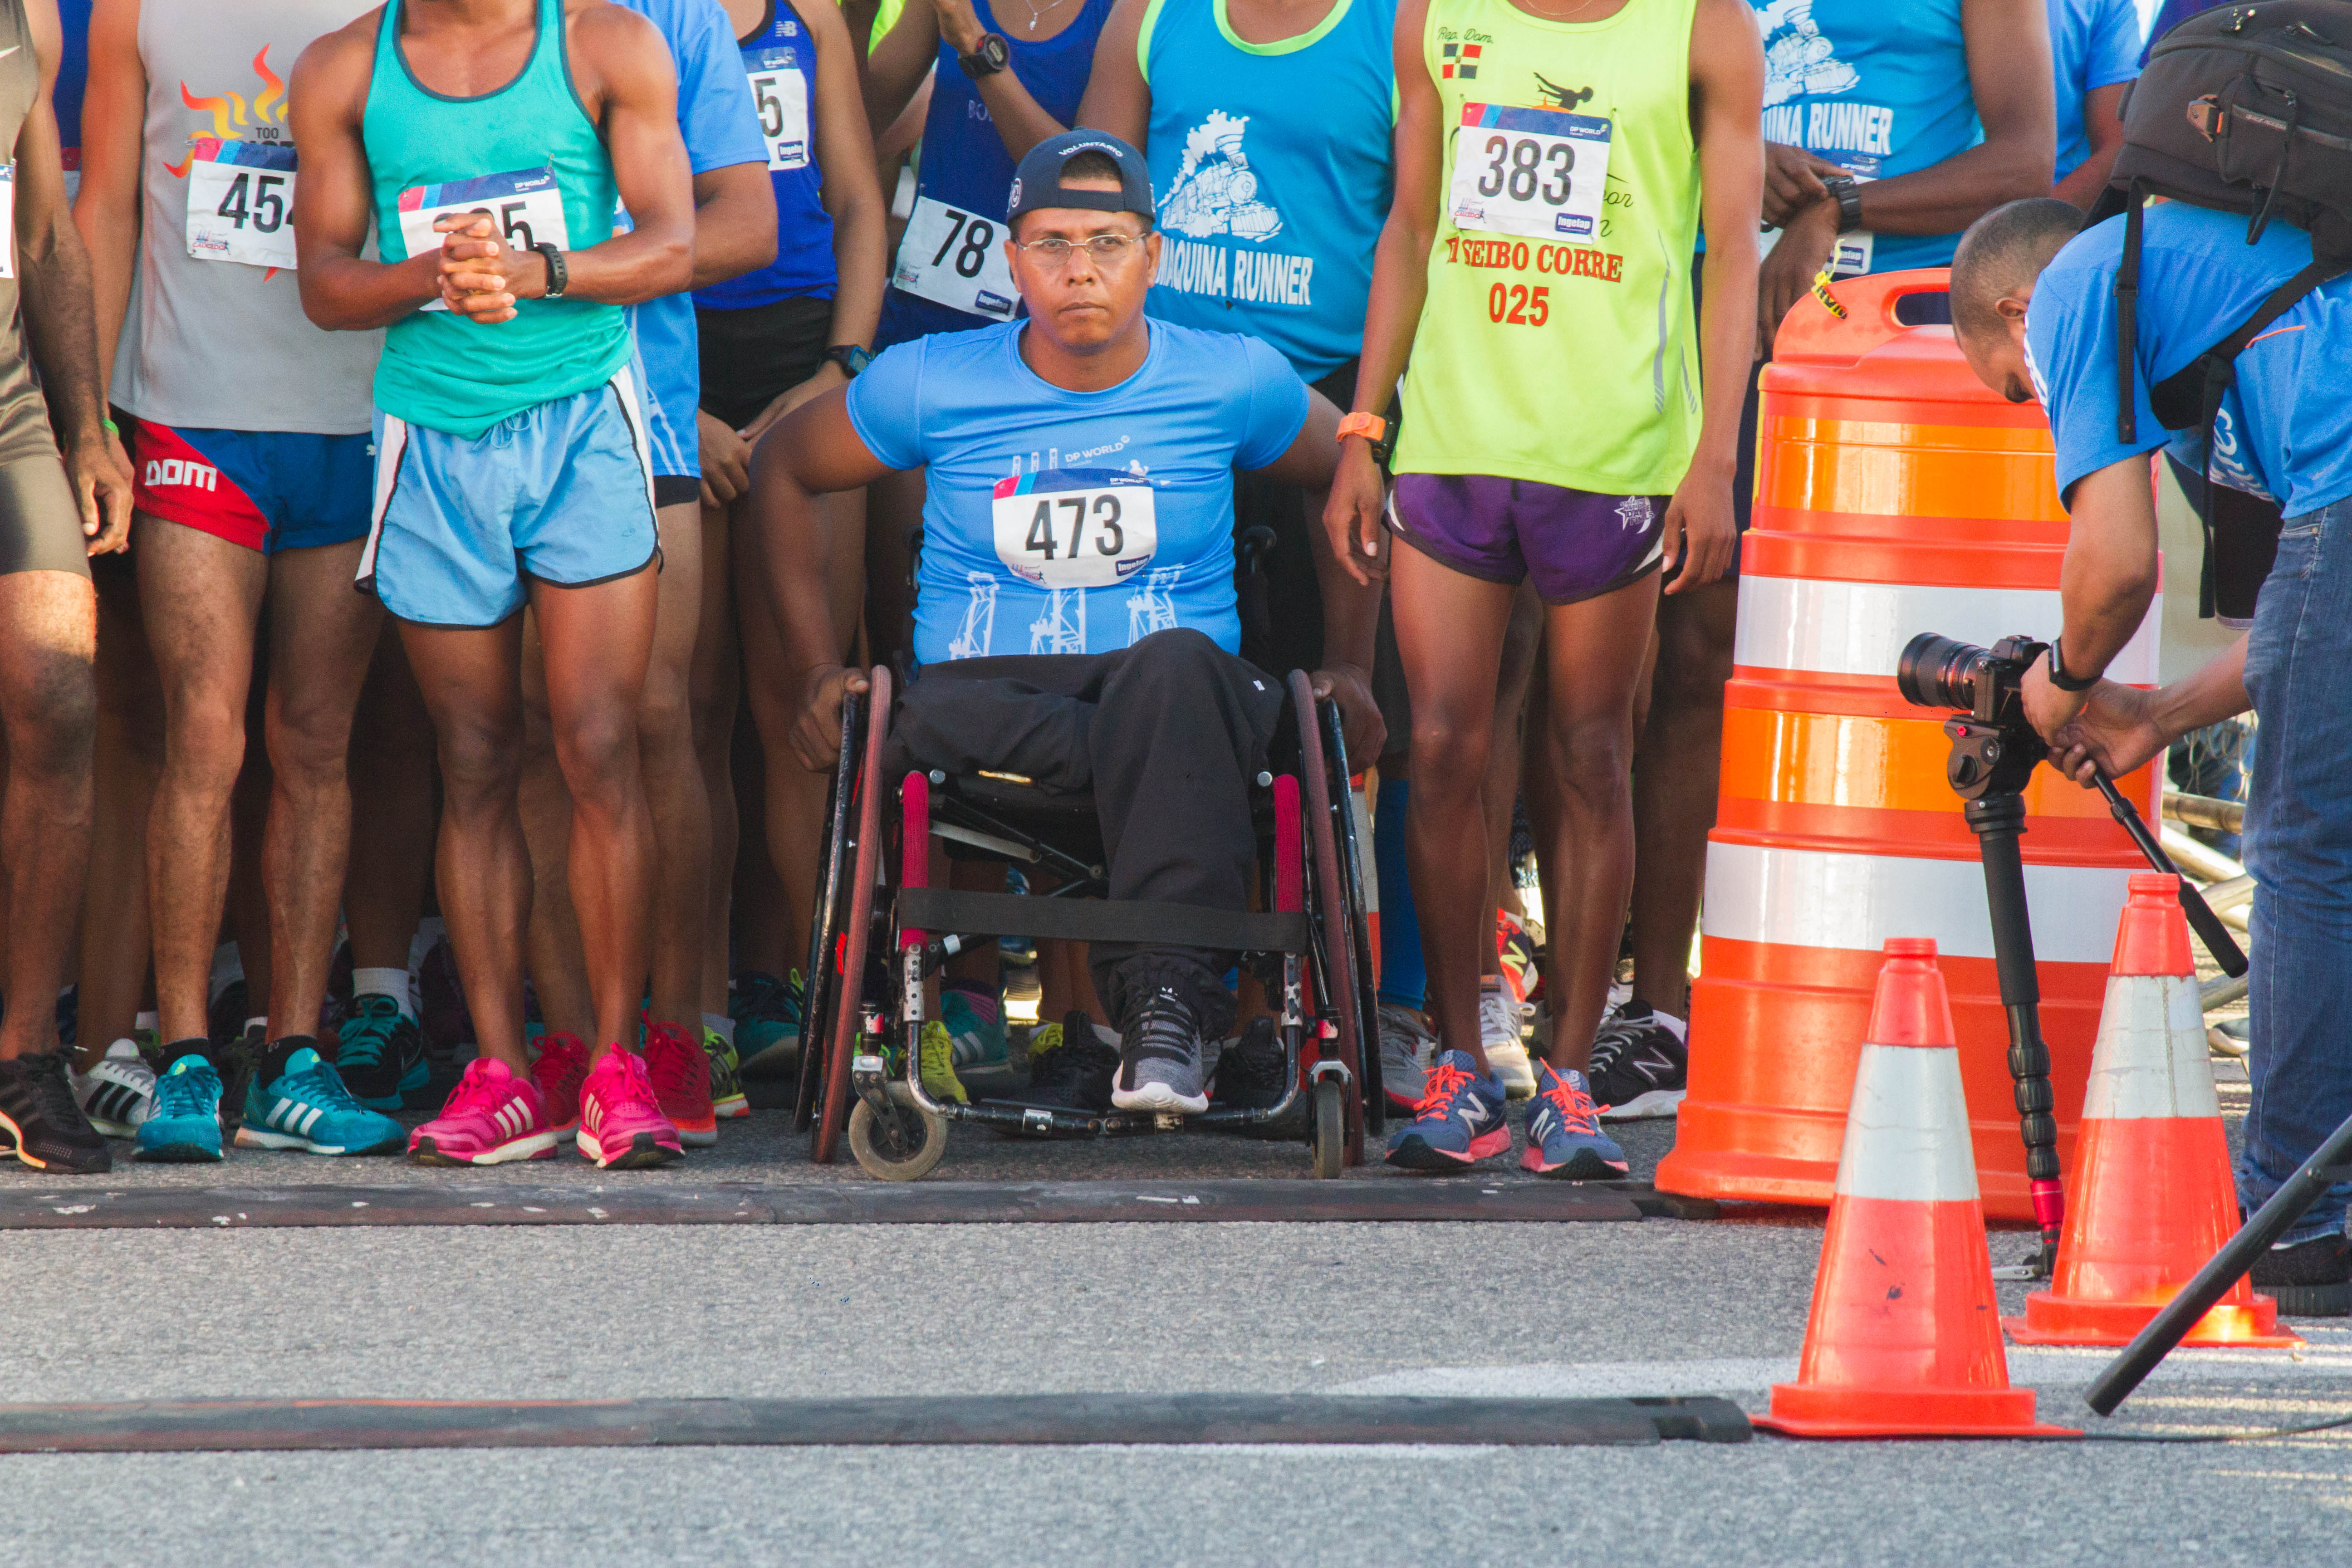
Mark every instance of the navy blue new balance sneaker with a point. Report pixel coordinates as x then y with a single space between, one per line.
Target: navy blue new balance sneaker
1564 1136
308 1108
1458 1121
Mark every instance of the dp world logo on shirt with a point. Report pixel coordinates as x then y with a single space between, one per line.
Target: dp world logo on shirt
1215 197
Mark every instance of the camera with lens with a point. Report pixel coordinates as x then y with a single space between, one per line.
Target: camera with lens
1994 746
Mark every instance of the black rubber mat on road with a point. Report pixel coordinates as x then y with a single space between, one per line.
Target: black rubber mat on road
97 1208
179 1426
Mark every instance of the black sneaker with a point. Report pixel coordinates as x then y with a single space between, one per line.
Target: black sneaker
1073 1075
40 1118
1160 1053
380 1054
2310 1279
1249 1072
1641 1064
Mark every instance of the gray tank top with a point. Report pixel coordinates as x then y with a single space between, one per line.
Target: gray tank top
220 342
23 418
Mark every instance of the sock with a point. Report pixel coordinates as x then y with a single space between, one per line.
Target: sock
1403 979
983 1000
269 1061
150 1021
429 932
260 1022
228 970
194 1046
384 981
720 1025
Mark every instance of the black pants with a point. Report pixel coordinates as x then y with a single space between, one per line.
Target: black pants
1168 735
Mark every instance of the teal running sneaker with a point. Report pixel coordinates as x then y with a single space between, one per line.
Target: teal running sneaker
767 1013
308 1108
382 1057
184 1128
975 1020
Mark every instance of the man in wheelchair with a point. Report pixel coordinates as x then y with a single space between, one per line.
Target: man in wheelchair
1075 620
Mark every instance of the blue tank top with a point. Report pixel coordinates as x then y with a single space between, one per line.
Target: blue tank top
1879 90
965 164
1273 165
778 52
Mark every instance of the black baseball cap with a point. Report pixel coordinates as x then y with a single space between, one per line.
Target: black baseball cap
1037 182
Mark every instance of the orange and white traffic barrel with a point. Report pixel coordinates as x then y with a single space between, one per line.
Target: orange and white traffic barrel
1894 495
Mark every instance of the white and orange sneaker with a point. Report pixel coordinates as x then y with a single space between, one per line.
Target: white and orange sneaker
622 1127
560 1068
680 1074
494 1115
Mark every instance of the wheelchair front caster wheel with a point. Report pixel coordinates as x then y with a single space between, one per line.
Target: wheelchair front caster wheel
899 1153
1330 1129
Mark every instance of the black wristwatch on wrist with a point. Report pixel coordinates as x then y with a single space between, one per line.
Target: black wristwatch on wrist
557 276
993 56
2060 678
1846 191
850 358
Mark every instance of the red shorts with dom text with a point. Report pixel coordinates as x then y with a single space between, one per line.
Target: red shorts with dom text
267 490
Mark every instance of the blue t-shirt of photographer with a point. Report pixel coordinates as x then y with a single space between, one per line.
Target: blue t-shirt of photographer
2285 429
1058 521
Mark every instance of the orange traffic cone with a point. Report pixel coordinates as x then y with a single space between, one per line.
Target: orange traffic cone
1903 1341
2151 1198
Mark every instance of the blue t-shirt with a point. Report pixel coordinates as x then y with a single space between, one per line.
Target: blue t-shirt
780 60
716 118
2093 44
1033 529
1877 89
2284 430
1274 164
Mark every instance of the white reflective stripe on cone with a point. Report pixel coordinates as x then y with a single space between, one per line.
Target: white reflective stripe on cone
1820 898
1859 628
2151 1060
1906 1132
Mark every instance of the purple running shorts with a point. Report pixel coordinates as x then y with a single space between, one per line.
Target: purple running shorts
1577 544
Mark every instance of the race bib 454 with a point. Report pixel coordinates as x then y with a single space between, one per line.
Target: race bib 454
241 202
525 207
1076 528
1536 173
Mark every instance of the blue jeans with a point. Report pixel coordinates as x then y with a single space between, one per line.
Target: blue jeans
2299 847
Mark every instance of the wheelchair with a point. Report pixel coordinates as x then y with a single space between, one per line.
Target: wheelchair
878 932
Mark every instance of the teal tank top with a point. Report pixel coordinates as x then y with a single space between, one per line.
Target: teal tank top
529 155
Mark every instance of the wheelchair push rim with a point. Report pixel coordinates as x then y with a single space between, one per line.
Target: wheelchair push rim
833 1112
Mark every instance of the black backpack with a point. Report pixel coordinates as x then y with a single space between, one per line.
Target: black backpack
2242 108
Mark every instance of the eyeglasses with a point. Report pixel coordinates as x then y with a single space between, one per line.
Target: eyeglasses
1106 249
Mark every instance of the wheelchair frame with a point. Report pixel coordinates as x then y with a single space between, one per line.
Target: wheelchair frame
861 1052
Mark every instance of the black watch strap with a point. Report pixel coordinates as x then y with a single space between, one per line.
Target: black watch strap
1847 191
2059 677
559 277
851 358
993 56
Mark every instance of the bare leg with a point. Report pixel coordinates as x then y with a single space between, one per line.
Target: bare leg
715 689
201 597
1501 788
676 793
1678 757
247 911
48 711
128 755
391 811
558 967
321 637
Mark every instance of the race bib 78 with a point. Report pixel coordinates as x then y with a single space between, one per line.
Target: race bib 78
1536 173
957 259
1076 528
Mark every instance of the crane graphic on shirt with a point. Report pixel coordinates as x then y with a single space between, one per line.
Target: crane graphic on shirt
1216 196
978 633
1152 608
1062 626
1801 68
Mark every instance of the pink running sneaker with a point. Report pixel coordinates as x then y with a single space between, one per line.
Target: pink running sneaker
680 1075
622 1127
493 1116
561 1070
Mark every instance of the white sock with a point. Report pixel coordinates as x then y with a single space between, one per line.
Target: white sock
150 1022
227 969
429 932
1108 1036
720 1025
392 983
260 1022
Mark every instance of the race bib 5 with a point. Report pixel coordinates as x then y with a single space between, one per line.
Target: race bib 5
525 205
956 259
1536 173
780 95
1076 528
241 202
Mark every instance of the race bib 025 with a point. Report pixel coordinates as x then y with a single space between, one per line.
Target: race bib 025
780 93
525 205
957 259
1076 528
241 202
1536 173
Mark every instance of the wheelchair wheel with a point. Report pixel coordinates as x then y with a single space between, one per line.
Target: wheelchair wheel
825 918
833 1110
1330 908
901 1148
1352 867
1328 1133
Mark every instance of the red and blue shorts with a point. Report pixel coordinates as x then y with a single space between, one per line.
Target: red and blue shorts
267 490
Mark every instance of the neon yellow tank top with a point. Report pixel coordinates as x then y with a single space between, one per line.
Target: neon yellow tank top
1559 343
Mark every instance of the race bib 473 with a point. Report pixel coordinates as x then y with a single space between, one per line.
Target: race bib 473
241 202
1076 528
1536 173
525 207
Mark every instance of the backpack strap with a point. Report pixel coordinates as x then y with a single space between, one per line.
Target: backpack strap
2127 315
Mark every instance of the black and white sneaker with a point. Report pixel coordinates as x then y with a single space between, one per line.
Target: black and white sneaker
43 1123
2310 1279
1160 1064
118 1093
1249 1070
1641 1064
1075 1073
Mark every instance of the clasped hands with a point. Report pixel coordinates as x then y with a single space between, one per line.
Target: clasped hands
482 275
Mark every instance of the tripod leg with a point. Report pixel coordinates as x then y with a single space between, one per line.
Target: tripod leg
1997 820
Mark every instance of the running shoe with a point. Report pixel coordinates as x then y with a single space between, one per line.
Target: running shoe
186 1128
559 1070
42 1120
1159 1054
118 1093
381 1058
1516 950
680 1075
1249 1075
1641 1064
767 1013
935 1062
1564 1136
441 1011
309 1108
2310 1279
1498 1032
234 1058
622 1127
493 1116
975 1016
1458 1121
727 1097
1073 1072
1406 1044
